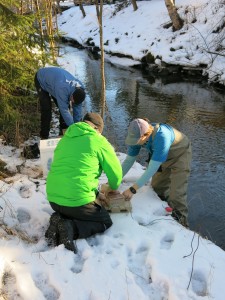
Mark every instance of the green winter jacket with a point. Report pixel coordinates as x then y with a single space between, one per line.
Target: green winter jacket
79 159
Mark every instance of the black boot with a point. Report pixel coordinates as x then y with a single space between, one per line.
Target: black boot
51 233
66 234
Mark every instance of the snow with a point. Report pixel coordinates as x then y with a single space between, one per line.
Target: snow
145 254
137 33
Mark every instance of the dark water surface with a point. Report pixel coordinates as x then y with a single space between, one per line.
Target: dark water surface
193 108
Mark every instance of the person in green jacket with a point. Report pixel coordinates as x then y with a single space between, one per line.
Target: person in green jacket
72 182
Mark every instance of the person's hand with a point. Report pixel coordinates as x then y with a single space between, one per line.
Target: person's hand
105 189
103 200
128 195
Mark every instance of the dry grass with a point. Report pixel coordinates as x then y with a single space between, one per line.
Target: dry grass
6 233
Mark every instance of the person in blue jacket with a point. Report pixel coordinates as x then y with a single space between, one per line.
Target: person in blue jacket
64 89
169 165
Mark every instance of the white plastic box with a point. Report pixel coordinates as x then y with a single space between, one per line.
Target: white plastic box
47 148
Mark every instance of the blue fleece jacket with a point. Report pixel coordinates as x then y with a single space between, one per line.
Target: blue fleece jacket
60 84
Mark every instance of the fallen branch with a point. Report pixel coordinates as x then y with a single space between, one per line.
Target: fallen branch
216 53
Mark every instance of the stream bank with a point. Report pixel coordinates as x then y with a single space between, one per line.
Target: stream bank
167 72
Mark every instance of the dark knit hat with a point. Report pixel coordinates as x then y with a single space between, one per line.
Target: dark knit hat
96 119
78 95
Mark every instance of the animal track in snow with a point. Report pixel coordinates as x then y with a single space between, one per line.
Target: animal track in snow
140 272
23 215
142 249
118 235
43 284
167 241
115 263
25 191
78 264
199 284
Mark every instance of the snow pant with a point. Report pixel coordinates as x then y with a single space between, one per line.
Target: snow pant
171 181
88 219
46 110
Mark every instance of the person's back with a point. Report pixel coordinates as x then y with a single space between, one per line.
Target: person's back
56 81
78 162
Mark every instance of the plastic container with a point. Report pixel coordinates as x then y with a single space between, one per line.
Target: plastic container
47 148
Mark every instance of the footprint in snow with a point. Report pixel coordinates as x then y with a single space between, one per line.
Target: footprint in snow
167 241
199 284
78 264
25 191
43 284
23 215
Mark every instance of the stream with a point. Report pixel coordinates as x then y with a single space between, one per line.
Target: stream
192 107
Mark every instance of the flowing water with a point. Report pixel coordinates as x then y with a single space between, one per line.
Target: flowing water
194 108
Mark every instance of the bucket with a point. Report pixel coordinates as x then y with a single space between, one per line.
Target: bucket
47 148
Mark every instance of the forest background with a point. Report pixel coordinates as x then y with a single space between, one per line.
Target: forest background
29 38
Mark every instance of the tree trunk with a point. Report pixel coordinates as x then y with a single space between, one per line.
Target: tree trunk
174 16
82 8
21 7
134 3
50 26
97 9
39 20
99 15
58 8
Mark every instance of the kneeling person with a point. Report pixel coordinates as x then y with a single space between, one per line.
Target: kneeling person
72 183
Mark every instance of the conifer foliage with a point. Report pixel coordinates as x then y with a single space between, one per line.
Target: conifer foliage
19 59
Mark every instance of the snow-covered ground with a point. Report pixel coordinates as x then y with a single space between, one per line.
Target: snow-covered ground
144 255
137 33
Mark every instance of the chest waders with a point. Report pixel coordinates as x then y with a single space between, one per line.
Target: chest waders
172 179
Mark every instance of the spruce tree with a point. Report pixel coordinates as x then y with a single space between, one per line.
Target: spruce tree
20 57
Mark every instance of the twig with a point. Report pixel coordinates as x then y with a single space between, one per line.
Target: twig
138 275
156 220
192 267
127 284
41 256
109 294
202 38
3 193
191 246
216 53
9 206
